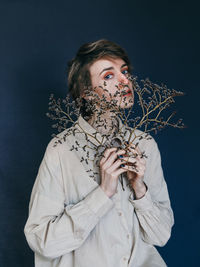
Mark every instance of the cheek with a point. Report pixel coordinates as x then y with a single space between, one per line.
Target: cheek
99 92
111 87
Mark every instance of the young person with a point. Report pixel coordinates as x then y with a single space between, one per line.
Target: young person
78 221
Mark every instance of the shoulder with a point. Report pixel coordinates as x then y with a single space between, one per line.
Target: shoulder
60 143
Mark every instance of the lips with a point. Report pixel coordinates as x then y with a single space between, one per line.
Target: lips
127 92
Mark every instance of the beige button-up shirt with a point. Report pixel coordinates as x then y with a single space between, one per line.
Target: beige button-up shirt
73 223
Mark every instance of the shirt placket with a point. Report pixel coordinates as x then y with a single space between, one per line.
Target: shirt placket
127 232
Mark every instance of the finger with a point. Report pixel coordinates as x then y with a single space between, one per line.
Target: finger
113 156
119 171
107 153
116 165
143 161
133 153
131 168
133 146
135 160
131 160
140 170
135 150
138 149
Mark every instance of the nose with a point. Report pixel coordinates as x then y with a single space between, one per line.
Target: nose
123 79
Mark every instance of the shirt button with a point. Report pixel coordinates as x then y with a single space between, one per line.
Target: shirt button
120 214
128 236
124 258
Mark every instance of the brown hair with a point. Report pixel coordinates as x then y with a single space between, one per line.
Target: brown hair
78 75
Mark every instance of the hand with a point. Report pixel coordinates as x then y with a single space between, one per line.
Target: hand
135 166
110 169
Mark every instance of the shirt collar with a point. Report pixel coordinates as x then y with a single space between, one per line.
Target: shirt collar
83 126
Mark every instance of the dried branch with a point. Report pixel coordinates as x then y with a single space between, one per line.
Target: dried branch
152 101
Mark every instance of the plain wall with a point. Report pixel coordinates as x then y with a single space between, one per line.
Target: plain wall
37 38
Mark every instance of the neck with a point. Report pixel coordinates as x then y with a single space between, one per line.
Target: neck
104 123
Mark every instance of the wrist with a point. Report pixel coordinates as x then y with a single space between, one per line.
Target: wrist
107 193
140 189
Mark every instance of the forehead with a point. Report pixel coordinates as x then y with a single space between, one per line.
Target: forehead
103 63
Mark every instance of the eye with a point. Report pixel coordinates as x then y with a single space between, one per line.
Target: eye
107 76
125 71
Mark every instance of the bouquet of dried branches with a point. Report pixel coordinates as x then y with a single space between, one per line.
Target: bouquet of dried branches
152 101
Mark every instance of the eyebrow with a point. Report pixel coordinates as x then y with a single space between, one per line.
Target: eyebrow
111 68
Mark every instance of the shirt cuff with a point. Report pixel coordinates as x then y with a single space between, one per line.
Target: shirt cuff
98 202
144 203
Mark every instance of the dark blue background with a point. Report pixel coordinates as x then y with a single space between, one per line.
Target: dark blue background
37 40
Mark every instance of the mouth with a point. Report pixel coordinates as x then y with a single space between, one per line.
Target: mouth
128 92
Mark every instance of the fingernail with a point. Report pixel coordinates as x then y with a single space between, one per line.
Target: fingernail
120 156
122 165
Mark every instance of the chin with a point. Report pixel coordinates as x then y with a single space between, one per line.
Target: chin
123 106
127 104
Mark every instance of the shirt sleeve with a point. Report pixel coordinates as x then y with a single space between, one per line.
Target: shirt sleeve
154 210
54 228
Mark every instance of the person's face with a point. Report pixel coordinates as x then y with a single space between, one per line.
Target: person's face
113 72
